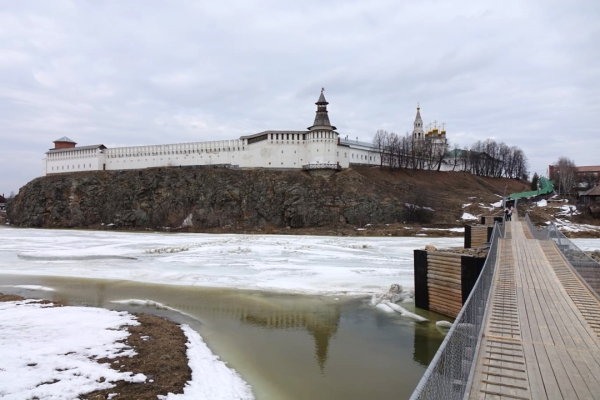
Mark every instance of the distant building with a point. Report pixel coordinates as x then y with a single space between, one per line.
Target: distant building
590 173
320 146
2 203
434 134
591 196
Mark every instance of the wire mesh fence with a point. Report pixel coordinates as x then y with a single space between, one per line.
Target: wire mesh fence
540 234
448 373
587 268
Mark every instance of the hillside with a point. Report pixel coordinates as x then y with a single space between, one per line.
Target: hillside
218 200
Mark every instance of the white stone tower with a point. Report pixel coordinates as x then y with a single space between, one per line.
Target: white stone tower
418 133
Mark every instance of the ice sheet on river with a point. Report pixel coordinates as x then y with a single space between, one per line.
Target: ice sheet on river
303 264
306 264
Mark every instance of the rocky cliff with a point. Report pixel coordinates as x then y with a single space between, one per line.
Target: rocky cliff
200 199
234 200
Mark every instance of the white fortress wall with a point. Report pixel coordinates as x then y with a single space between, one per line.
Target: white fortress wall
70 160
174 155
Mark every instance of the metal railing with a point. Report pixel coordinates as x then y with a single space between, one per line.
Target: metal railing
587 268
539 234
448 374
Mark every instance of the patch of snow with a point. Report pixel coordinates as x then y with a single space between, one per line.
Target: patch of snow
149 303
404 312
497 204
468 217
444 324
466 205
42 344
413 206
385 308
481 205
211 378
542 203
188 221
31 287
444 229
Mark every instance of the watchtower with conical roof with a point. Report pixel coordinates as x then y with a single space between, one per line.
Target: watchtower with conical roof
322 116
322 139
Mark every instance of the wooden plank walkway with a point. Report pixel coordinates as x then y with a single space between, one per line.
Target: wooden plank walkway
541 336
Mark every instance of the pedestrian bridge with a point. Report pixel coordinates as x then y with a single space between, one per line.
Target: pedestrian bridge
530 328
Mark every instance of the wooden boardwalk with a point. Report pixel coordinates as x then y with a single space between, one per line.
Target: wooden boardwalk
541 338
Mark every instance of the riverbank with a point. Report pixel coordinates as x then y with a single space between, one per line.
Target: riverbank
144 357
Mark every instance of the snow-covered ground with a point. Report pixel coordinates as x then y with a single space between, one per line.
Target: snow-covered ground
50 353
300 264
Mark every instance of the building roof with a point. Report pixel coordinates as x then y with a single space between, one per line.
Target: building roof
595 191
322 99
353 143
64 139
2 199
95 146
322 118
268 132
591 168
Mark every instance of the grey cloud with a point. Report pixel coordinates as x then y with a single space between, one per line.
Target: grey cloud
126 73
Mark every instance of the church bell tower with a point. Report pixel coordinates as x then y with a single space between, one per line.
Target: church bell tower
418 133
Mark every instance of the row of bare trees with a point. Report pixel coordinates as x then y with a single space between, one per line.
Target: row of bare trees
490 158
484 158
407 152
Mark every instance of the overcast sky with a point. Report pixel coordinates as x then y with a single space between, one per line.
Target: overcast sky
149 72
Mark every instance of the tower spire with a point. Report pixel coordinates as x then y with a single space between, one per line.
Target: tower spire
322 117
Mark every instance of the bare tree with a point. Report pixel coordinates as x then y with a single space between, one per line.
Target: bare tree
379 142
565 174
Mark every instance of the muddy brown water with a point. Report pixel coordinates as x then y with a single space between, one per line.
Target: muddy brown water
285 346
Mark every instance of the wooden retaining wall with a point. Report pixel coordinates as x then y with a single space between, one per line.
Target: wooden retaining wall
477 235
489 220
444 280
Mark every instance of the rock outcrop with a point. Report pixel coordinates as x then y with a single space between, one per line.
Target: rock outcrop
199 199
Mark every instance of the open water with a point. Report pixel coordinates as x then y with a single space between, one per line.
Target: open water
285 346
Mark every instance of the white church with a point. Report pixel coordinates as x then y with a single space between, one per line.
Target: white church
319 147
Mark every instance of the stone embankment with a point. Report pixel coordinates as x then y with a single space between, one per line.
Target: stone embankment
200 199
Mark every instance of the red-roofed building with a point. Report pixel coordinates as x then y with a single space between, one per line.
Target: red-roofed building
591 173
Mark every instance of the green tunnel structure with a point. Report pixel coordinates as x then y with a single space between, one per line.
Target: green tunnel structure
546 187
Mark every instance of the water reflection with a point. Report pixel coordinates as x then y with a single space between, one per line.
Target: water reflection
285 346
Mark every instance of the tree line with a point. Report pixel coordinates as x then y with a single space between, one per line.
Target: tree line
483 158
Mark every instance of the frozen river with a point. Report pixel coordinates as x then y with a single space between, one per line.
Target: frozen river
289 313
298 264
